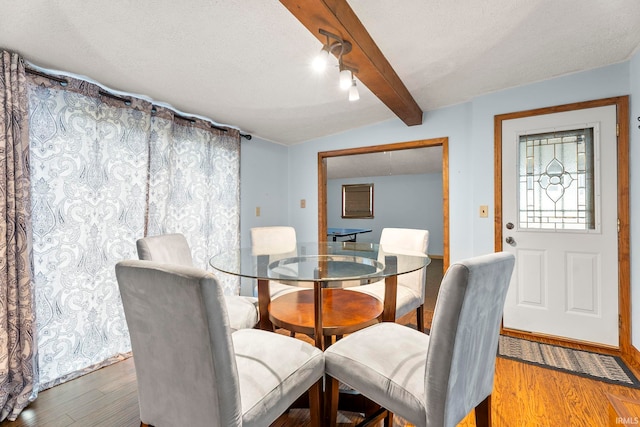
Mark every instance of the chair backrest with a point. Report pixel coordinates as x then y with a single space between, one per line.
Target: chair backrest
181 343
464 336
273 240
408 240
167 248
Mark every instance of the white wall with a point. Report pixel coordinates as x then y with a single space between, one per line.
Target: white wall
407 201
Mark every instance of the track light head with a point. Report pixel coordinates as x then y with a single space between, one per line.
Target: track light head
320 61
353 91
345 78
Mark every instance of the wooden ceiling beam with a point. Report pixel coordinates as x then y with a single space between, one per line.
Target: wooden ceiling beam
374 71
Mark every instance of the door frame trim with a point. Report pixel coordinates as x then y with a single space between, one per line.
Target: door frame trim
433 142
625 349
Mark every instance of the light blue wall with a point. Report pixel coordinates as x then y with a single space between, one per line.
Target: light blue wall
600 83
264 183
406 201
469 127
451 122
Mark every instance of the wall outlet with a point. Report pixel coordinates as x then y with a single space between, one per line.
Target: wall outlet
484 211
303 203
257 210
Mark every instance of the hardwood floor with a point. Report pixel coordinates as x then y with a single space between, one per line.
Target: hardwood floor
524 395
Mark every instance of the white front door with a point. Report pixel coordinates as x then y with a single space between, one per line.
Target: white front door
559 217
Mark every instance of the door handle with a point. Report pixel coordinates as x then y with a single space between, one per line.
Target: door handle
510 240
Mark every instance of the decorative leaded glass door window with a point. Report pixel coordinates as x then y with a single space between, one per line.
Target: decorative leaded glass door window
556 180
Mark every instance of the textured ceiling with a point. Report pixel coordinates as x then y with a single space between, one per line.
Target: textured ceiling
387 163
246 63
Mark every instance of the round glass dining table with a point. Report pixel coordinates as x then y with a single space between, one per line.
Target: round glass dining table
317 303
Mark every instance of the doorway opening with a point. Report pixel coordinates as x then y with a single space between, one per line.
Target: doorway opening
324 156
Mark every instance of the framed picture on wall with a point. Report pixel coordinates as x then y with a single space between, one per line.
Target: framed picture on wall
357 201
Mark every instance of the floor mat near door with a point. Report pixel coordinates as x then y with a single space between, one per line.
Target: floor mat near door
597 366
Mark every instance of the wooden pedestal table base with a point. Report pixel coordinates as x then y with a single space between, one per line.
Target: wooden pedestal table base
343 312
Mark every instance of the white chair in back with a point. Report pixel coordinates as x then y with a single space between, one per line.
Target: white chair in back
275 243
411 286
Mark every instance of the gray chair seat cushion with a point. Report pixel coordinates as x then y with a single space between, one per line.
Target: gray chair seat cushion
406 298
391 375
243 313
273 371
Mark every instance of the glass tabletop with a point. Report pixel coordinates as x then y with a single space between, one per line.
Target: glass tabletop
321 262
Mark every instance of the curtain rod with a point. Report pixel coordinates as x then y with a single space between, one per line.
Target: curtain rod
63 82
126 101
193 120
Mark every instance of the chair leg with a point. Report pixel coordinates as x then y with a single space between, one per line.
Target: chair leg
315 404
332 394
483 413
420 318
374 419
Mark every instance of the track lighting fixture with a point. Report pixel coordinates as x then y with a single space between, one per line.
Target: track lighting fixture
339 47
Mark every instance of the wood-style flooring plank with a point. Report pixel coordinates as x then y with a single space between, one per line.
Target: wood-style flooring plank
121 411
117 399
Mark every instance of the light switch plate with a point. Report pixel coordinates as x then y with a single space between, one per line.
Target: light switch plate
484 211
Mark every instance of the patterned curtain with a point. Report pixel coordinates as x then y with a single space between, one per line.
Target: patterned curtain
88 174
195 174
18 356
103 175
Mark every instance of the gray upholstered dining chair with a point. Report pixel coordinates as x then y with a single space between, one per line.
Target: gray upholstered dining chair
411 286
174 249
432 380
192 370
